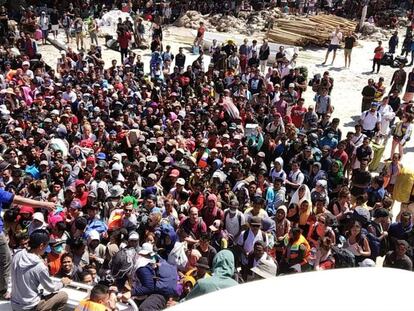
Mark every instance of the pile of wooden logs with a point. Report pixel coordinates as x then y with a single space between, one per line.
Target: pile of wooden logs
314 30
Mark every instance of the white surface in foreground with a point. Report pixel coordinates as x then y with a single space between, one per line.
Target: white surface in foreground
331 290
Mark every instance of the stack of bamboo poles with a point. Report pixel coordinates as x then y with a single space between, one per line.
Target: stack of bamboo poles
315 30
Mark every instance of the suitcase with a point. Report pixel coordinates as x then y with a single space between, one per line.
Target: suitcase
378 151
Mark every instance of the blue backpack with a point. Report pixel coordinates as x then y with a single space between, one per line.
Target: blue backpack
167 279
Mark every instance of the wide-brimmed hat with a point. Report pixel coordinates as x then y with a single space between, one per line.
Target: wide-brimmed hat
265 268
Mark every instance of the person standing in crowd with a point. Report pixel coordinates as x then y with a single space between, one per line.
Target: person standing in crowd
398 258
264 53
54 21
398 79
66 22
336 38
393 43
44 26
401 134
368 95
378 54
78 26
124 37
198 41
350 43
93 30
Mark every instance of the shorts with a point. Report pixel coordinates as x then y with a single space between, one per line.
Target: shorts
333 47
55 27
347 51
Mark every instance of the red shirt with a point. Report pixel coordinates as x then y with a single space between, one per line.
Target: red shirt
341 156
297 114
124 40
379 52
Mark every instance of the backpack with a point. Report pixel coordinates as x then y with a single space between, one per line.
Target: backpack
343 257
122 263
166 280
387 59
366 113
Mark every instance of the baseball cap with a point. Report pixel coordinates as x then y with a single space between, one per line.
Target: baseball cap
175 173
215 226
181 181
133 236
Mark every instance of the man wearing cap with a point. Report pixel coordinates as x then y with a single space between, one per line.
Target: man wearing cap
175 192
28 272
398 258
370 120
259 165
256 259
247 240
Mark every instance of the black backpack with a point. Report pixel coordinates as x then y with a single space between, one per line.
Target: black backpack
387 59
343 257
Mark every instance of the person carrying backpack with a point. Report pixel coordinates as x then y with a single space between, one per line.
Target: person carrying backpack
233 220
247 239
371 120
156 281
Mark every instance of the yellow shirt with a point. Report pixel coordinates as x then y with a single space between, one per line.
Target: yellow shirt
87 305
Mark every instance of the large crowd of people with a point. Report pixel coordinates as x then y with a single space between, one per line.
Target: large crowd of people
161 186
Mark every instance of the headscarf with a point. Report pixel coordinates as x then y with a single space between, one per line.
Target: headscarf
337 177
307 196
168 230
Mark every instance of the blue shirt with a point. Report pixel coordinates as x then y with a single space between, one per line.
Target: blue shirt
5 198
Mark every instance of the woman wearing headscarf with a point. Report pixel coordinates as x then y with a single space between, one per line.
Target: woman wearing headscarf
316 174
277 170
303 193
320 191
335 178
282 229
171 249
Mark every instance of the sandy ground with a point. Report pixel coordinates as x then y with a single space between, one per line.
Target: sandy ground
346 95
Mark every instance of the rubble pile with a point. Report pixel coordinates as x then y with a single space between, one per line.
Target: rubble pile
371 32
245 23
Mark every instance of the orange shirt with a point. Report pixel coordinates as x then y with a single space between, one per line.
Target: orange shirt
54 263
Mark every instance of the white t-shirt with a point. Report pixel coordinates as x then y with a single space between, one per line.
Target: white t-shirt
369 120
232 223
251 239
336 38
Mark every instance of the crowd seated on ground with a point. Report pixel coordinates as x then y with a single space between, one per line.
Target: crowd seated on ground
204 175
